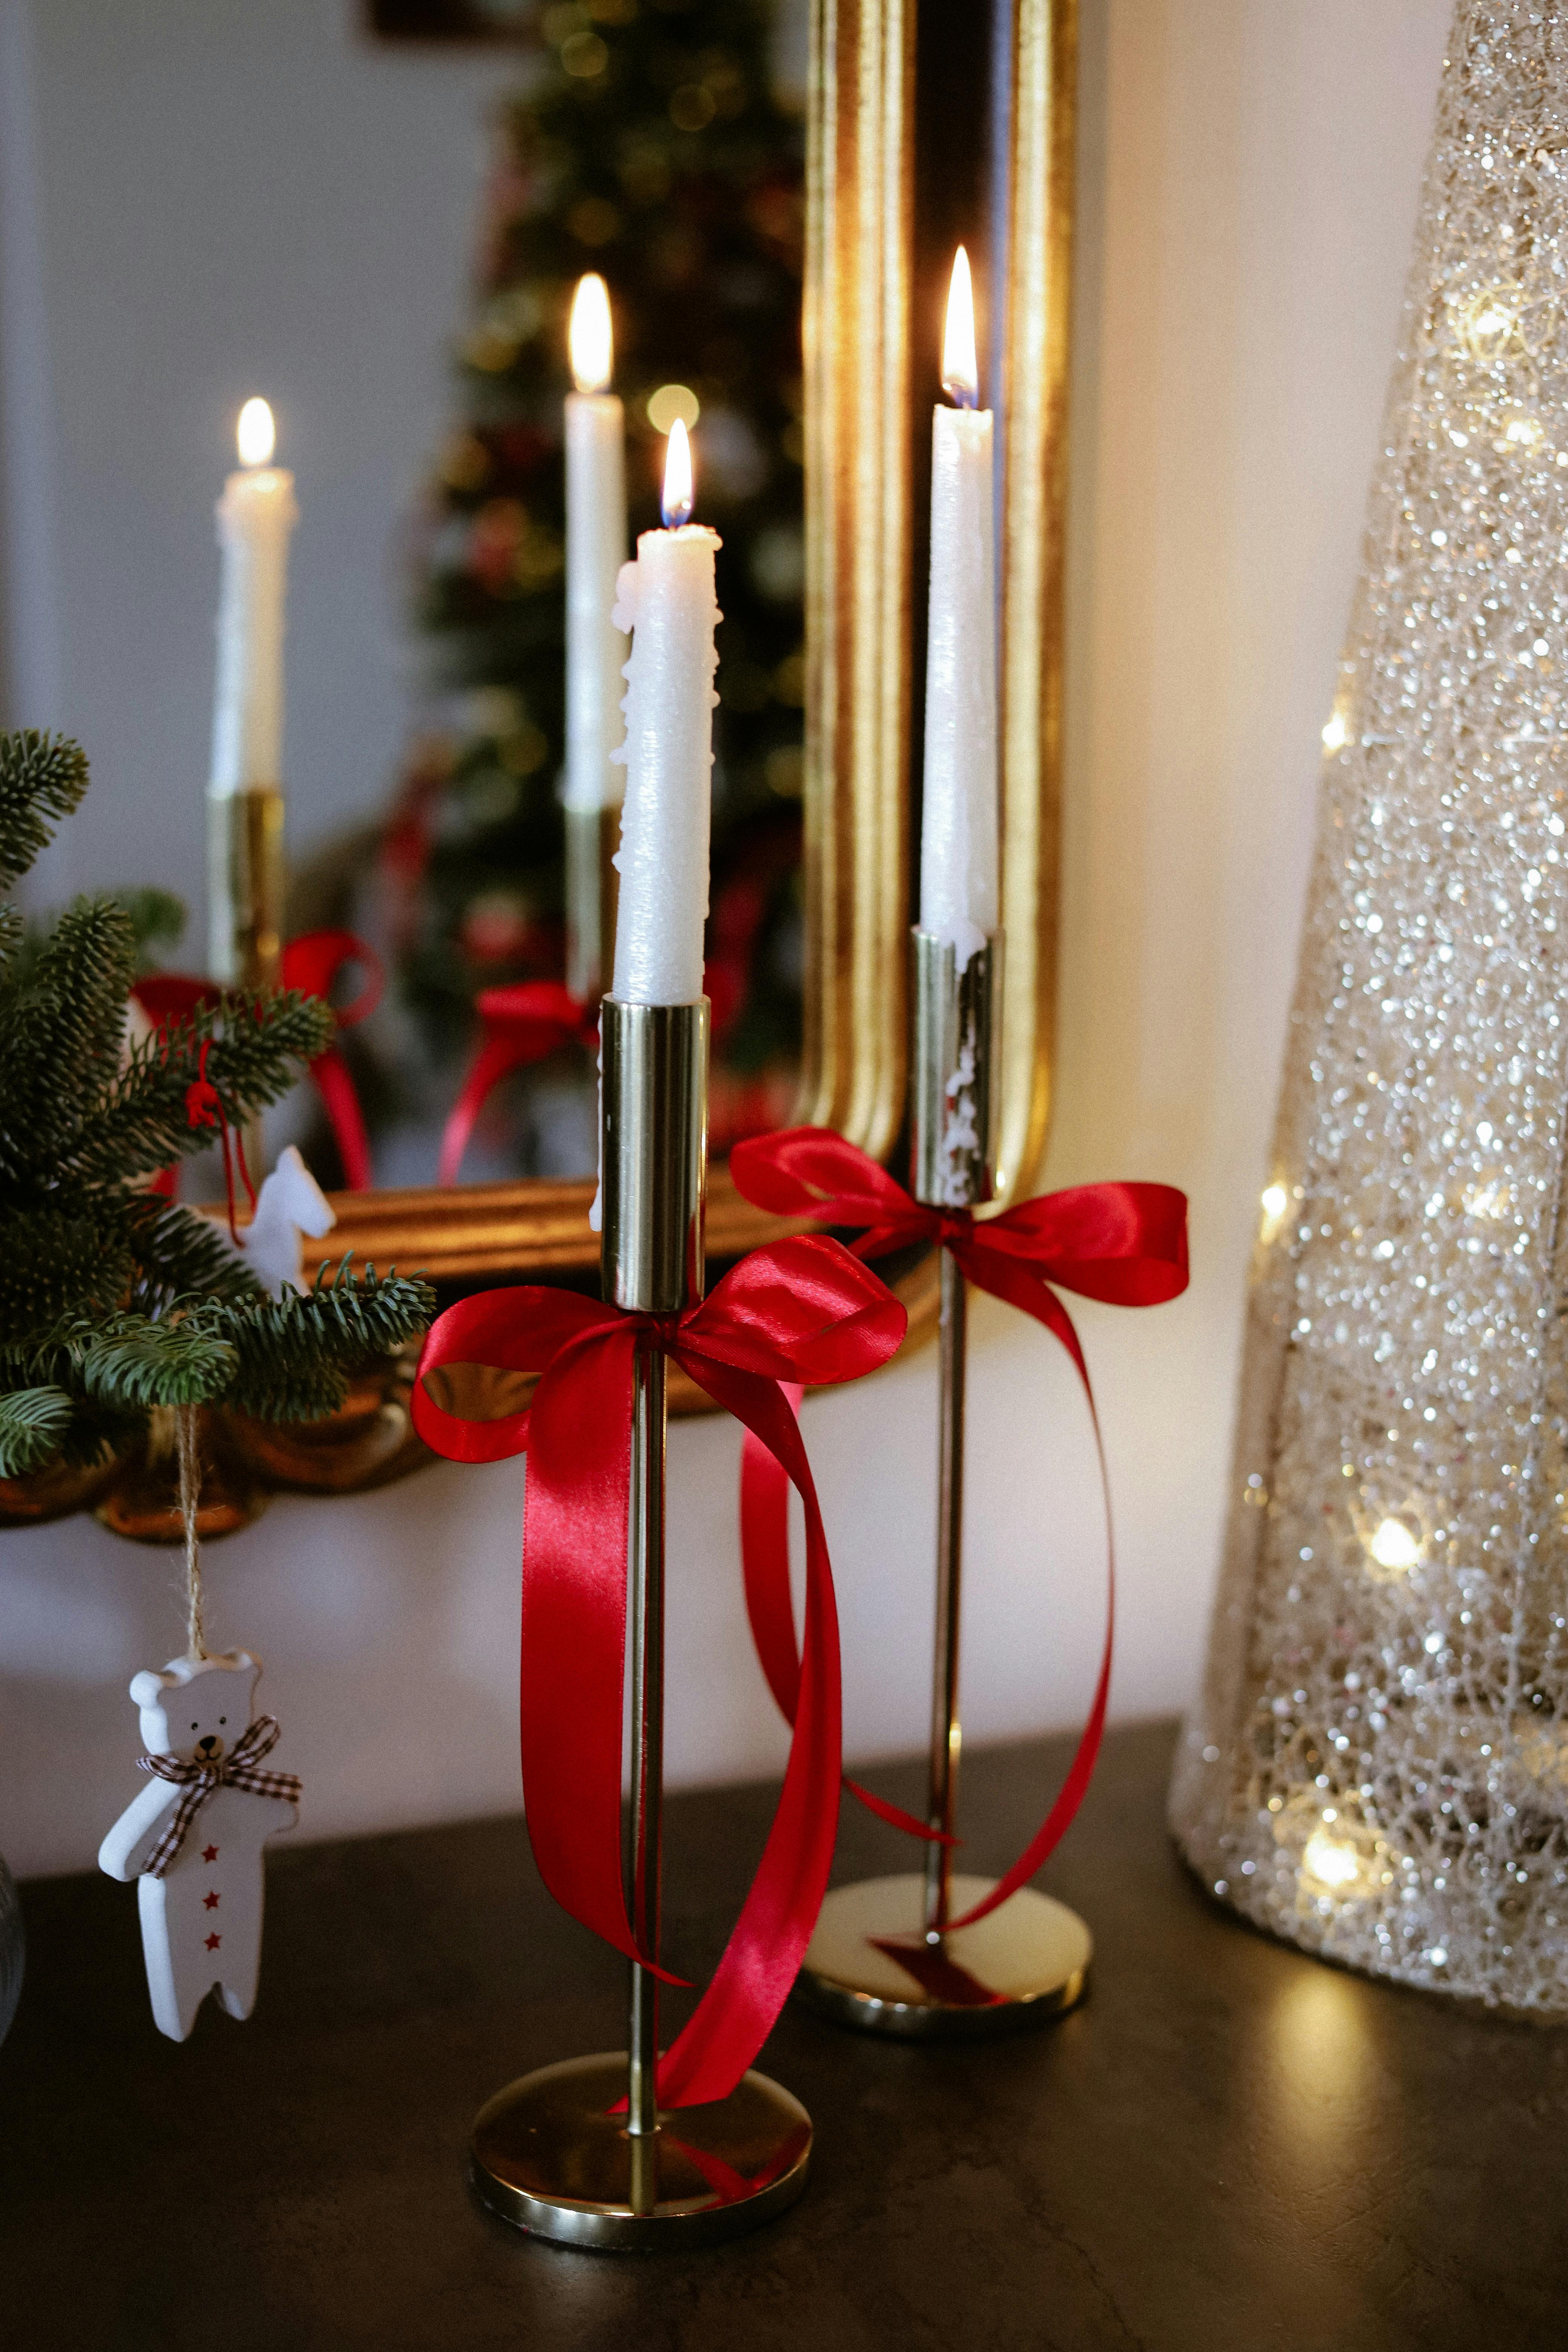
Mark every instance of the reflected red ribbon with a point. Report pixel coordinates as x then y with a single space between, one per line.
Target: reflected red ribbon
311 964
804 1310
520 1025
1123 1244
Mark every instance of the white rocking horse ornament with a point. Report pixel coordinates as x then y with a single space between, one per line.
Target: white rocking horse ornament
289 1205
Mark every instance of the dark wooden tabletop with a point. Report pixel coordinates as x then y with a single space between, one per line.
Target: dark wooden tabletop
1228 2145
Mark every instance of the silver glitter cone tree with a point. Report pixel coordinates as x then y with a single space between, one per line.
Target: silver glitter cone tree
1378 1767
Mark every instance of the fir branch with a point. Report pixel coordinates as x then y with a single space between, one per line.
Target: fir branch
295 1354
33 1424
42 778
56 1261
62 1032
138 1362
180 1254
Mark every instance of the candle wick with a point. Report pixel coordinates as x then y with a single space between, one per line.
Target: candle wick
963 396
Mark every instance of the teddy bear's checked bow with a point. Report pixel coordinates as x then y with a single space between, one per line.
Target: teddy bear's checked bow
196 1781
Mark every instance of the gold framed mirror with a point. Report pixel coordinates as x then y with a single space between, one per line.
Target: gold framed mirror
895 89
868 376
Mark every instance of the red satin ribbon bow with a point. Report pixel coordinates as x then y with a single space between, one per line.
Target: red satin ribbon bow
803 1311
311 964
1125 1243
519 1024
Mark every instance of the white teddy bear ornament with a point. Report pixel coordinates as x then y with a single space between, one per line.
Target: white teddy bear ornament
193 1838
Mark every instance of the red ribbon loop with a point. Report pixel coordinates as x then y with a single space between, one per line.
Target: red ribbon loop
311 964
524 1023
803 1311
1125 1243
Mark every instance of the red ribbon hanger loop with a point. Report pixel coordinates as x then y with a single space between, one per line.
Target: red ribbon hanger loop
520 1025
310 965
804 1311
1123 1244
204 1107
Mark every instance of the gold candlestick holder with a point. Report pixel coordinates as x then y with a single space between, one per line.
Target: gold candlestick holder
549 2155
884 1957
592 885
246 884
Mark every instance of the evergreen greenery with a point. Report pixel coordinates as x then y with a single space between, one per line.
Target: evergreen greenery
112 1298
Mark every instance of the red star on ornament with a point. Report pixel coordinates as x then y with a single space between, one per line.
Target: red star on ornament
210 1902
213 1943
209 1854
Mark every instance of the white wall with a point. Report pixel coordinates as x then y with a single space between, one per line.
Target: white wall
1249 172
200 199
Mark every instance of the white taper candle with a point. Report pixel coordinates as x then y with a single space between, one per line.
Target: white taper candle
596 550
959 844
254 516
666 598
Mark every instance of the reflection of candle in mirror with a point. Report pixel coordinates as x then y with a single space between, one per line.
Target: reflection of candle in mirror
596 550
666 598
254 516
959 855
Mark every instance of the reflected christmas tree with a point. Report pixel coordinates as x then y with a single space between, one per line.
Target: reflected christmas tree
651 148
1379 1765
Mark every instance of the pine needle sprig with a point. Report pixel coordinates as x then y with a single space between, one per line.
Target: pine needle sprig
42 778
61 1033
297 1353
34 1426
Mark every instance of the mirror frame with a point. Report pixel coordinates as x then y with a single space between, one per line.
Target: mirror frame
857 337
861 602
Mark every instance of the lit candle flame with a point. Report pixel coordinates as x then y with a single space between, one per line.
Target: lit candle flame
1274 1204
589 339
256 434
677 498
960 374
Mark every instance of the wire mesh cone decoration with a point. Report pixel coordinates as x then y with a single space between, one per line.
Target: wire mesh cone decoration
1378 1767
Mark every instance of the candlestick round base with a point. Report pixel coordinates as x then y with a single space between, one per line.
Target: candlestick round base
549 2157
870 1965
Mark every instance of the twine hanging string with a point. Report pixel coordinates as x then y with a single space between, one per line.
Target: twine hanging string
190 1497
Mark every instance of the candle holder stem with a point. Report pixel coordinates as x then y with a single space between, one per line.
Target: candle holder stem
886 1957
645 1826
581 2151
946 1737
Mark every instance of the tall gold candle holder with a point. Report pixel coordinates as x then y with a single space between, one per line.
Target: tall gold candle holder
551 2154
886 1957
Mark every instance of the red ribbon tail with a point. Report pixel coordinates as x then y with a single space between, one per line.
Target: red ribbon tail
770 1608
762 1957
340 1099
571 1677
1080 1771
